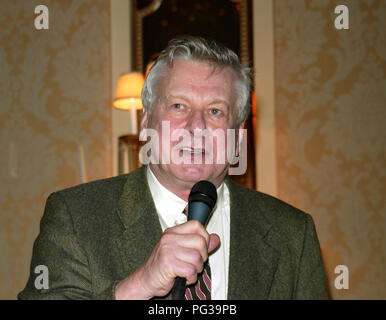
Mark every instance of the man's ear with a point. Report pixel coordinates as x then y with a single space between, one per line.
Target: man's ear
144 119
239 136
143 124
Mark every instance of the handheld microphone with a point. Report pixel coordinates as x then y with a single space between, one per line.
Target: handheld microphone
201 201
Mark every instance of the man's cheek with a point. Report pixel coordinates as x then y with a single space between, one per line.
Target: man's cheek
219 146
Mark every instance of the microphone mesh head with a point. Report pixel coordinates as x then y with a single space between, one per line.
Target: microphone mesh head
204 191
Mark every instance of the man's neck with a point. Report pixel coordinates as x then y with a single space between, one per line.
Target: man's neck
180 188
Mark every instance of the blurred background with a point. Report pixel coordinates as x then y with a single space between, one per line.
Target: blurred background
317 134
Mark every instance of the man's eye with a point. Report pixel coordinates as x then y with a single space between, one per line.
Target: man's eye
215 112
177 106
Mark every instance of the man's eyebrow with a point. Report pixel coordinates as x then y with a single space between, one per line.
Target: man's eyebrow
170 97
216 101
219 101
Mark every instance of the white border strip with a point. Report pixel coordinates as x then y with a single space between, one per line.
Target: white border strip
263 56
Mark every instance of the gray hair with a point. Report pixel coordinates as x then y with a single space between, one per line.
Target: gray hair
199 49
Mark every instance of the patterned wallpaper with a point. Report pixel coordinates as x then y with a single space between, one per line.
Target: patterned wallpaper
331 138
55 96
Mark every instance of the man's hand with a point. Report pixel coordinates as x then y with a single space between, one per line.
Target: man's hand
181 251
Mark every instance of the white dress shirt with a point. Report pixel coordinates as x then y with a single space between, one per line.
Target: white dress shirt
170 212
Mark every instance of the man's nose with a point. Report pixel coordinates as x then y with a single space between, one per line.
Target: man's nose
196 121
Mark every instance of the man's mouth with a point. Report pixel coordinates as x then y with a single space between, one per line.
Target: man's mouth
192 151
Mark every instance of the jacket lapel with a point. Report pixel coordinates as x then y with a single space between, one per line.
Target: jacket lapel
139 216
253 262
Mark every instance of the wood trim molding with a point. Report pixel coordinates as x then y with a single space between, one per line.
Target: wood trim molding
121 49
263 61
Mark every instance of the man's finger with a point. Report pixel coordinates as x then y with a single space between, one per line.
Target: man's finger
193 227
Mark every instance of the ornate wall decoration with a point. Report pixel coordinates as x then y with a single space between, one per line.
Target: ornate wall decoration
55 96
331 137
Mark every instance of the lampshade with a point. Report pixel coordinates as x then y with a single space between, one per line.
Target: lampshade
128 93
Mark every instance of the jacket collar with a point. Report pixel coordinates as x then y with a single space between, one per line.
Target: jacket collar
253 260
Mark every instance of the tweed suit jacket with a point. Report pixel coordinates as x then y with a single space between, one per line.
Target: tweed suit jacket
96 234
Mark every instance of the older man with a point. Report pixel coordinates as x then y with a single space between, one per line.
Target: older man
127 237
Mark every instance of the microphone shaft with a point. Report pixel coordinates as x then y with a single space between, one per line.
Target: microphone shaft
202 199
179 288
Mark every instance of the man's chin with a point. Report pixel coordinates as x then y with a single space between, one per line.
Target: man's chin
191 174
194 173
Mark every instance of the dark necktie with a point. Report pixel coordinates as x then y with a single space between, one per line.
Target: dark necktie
202 288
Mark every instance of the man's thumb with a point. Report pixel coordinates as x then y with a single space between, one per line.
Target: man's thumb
214 242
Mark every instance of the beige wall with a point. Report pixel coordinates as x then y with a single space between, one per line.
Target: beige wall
330 116
55 96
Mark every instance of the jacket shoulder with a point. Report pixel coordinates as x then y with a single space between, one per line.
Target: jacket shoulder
287 220
272 207
90 205
93 191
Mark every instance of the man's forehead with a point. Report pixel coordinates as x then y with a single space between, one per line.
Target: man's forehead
197 76
203 68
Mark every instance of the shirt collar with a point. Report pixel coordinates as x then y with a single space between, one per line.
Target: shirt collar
169 206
